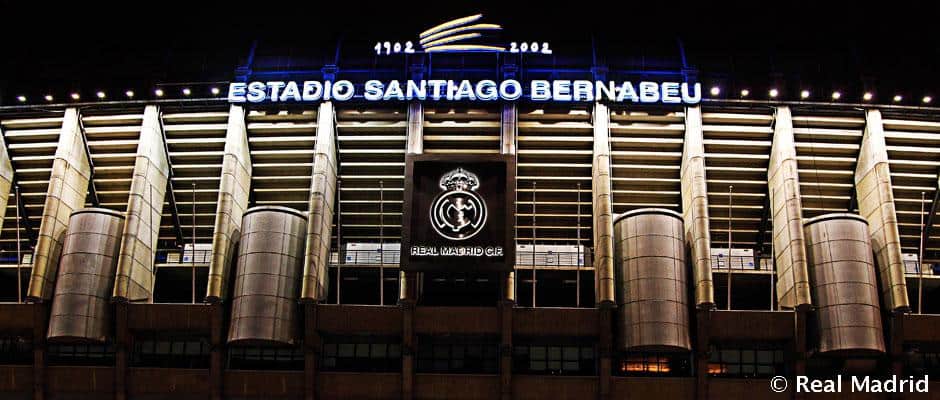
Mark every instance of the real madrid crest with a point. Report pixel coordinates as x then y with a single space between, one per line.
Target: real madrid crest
458 213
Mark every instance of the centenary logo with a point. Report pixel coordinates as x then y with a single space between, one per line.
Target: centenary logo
459 212
461 35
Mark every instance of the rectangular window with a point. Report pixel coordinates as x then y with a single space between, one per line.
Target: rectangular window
16 350
655 364
921 362
361 354
746 362
471 355
555 359
266 358
81 354
168 351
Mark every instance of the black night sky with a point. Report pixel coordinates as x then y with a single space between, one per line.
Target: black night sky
888 47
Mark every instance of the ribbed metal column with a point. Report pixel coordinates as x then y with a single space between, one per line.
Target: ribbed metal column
786 207
81 310
68 186
653 284
695 208
134 279
845 289
876 205
6 178
234 188
603 208
322 199
264 302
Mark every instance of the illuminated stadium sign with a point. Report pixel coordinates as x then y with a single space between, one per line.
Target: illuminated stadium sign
559 90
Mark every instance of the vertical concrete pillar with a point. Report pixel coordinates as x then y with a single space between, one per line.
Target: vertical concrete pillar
122 351
312 346
876 205
415 128
40 329
509 122
786 209
68 186
134 278
695 208
602 201
6 177
216 351
408 282
322 199
603 231
234 188
509 130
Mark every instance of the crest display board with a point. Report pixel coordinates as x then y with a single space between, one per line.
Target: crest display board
459 212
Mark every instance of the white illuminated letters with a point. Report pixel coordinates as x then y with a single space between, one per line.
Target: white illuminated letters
313 90
541 91
486 90
649 92
510 90
670 92
236 92
343 90
466 90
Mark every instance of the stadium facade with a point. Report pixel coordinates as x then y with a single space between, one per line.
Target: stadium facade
602 233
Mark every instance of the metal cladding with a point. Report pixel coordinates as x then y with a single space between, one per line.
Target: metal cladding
233 201
267 277
695 208
844 285
322 201
81 307
787 215
68 186
649 252
602 206
134 280
876 204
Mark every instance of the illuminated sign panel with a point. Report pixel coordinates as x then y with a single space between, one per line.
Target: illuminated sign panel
457 215
466 90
